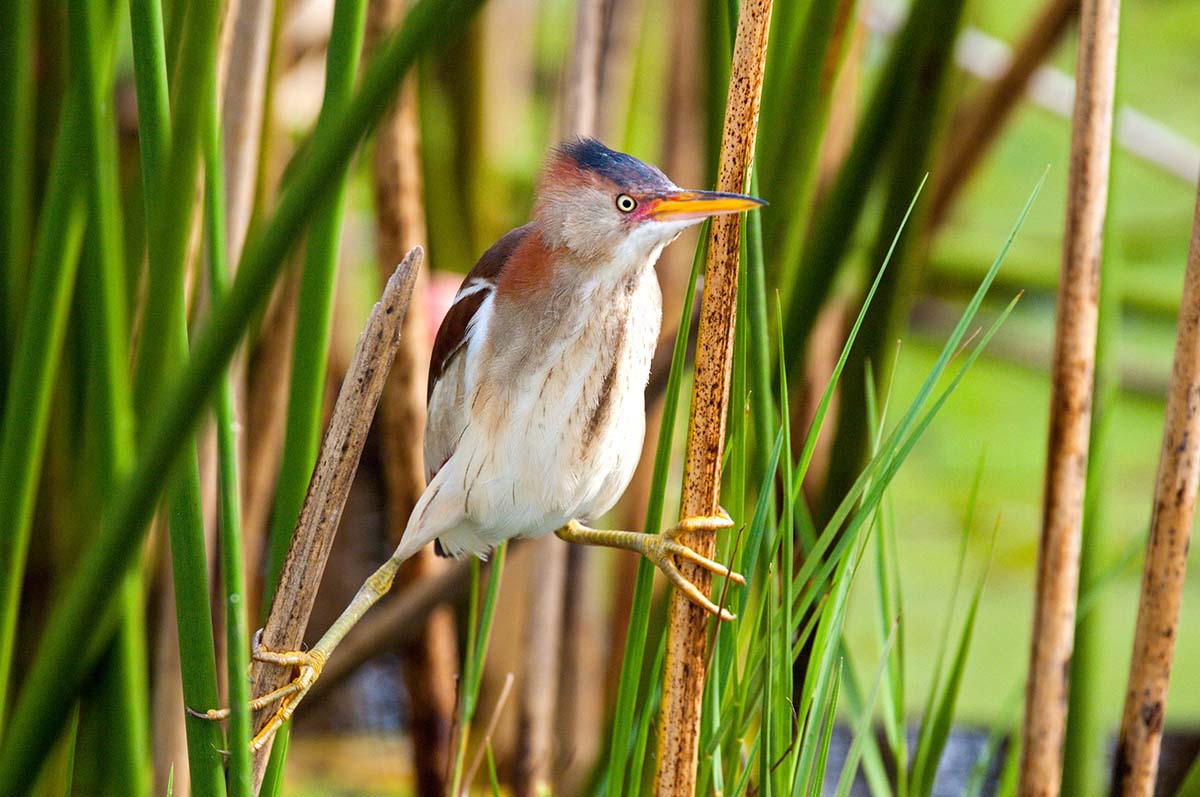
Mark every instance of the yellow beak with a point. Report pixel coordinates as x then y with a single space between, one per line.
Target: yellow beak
694 205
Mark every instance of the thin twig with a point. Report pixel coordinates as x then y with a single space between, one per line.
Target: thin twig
1136 760
684 668
1071 401
330 485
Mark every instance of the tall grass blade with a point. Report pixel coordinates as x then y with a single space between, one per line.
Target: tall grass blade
935 730
834 223
921 118
17 42
26 410
861 733
810 442
310 352
479 629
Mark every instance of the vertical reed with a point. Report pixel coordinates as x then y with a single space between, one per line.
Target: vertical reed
1071 400
1136 760
683 685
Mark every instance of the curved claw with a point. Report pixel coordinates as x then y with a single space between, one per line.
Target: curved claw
711 565
700 523
691 590
288 696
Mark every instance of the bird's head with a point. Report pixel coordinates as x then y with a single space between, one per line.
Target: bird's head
607 205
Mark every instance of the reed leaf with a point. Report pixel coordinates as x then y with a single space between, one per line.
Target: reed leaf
17 41
56 257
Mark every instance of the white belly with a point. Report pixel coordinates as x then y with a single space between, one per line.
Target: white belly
554 425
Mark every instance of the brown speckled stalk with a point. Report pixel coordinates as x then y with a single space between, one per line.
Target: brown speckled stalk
1071 402
683 686
1136 761
330 486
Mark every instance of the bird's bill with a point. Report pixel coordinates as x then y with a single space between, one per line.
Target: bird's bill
695 205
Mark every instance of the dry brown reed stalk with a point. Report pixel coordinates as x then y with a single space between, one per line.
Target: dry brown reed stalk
247 39
980 122
330 485
683 685
546 580
1136 761
169 754
1071 401
431 663
845 84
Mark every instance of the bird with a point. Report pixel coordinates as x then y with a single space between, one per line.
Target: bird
536 393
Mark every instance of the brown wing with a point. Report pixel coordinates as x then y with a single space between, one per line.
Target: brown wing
477 286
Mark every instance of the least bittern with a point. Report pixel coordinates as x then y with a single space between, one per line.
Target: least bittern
536 385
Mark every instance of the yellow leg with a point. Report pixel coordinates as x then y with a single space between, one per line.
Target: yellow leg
310 662
661 549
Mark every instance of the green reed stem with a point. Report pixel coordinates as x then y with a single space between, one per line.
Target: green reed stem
833 225
43 707
170 145
920 118
39 344
105 319
310 352
169 152
17 39
240 776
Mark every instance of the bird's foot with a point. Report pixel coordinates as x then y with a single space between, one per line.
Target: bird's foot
309 663
662 550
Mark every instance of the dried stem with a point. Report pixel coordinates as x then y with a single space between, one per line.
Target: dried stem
330 485
1071 401
1136 761
683 686
980 122
431 663
248 34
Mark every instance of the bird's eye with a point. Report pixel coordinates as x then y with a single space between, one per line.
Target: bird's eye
626 203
